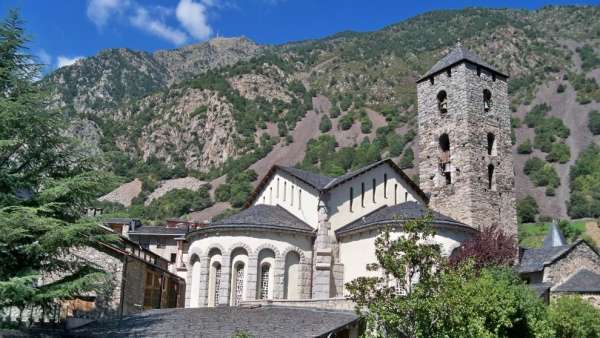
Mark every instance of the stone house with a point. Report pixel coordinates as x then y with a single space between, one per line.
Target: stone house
560 268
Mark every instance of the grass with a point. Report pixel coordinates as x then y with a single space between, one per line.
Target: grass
531 235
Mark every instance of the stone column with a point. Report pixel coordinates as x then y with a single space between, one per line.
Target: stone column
323 256
225 281
251 277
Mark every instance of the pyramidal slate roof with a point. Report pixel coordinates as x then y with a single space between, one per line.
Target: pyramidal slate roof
582 281
457 55
398 213
554 237
265 216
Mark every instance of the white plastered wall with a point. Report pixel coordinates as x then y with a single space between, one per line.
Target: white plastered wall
398 191
358 250
302 203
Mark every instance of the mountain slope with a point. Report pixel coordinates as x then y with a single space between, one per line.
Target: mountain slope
228 104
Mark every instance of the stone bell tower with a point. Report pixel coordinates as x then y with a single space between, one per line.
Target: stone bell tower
465 155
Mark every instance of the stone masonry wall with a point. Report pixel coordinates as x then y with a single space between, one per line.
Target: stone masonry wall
468 198
581 257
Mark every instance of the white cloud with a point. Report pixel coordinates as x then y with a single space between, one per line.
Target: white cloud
63 61
43 57
100 11
193 17
142 20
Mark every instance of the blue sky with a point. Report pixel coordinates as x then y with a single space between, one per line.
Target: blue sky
63 30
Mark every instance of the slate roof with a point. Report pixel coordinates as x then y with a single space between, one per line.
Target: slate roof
400 212
457 55
534 260
540 288
265 321
158 231
314 180
262 215
554 237
582 281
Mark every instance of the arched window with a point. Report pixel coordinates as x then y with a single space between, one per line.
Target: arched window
266 259
491 178
442 99
487 100
277 192
292 196
214 277
239 258
444 144
385 185
491 144
374 186
264 281
351 198
291 278
299 199
362 194
284 190
396 193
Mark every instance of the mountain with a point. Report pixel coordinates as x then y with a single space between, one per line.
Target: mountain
214 109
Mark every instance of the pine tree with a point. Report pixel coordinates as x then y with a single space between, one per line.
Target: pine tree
45 185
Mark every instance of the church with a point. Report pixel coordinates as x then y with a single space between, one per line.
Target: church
302 236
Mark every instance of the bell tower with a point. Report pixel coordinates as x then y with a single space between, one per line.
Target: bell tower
465 150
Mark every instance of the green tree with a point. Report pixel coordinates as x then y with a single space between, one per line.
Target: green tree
594 122
45 185
572 316
325 124
418 295
407 159
525 147
527 209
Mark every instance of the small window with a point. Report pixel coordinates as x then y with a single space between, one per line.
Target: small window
277 192
431 80
362 194
395 193
444 159
299 199
270 195
351 197
406 196
442 99
487 100
491 178
292 202
491 144
284 190
384 185
449 72
374 184
173 257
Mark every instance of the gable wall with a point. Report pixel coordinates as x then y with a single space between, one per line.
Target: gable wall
582 256
339 197
306 210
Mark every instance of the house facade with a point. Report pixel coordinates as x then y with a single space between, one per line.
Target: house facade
302 236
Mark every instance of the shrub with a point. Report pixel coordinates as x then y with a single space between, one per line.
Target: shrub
489 247
365 124
572 316
325 124
585 184
550 191
559 153
536 114
594 122
525 147
407 159
346 122
335 111
176 203
527 209
532 165
561 88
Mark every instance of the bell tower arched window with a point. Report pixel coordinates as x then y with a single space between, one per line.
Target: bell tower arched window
442 99
487 100
491 178
444 159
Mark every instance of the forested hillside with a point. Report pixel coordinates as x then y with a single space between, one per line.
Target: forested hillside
225 110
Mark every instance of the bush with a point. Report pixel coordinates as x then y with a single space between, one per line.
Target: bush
559 153
585 184
527 209
175 203
325 124
525 147
407 159
550 191
335 111
536 114
489 247
594 122
541 173
572 316
365 124
561 88
532 165
346 122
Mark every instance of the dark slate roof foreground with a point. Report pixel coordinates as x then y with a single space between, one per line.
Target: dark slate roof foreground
400 212
458 54
266 321
533 260
582 281
158 231
272 216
